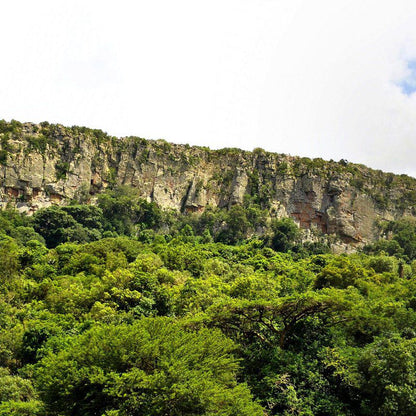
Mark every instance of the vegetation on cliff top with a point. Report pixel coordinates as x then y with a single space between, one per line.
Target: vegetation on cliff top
46 136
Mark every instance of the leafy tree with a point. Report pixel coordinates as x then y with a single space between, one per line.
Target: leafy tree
270 321
387 368
14 387
9 261
17 396
390 247
52 224
57 226
89 216
152 367
285 234
123 210
237 225
177 323
341 273
405 234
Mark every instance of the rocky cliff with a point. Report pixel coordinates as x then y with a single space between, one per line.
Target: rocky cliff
51 164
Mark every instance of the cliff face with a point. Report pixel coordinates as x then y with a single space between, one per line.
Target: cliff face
51 164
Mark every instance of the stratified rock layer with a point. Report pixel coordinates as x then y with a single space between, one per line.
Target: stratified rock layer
52 164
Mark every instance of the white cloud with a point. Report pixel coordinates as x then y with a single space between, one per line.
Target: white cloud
319 79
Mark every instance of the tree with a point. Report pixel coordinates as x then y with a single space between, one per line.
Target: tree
237 226
17 396
123 210
153 367
405 234
89 216
285 234
268 321
387 369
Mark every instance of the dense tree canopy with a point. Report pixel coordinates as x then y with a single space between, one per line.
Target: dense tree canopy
125 309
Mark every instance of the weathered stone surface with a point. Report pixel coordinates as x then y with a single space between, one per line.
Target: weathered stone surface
48 164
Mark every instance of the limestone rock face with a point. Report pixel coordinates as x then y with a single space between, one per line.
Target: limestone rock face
52 164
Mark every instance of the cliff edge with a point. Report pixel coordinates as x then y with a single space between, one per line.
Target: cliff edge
45 164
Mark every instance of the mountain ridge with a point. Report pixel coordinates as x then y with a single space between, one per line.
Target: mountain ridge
45 164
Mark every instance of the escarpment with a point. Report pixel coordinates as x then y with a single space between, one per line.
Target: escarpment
44 164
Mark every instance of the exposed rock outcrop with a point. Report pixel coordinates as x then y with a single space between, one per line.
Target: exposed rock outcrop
51 164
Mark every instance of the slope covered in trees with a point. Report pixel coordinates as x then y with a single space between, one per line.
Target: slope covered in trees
127 309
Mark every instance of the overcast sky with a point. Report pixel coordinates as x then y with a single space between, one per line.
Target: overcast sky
332 79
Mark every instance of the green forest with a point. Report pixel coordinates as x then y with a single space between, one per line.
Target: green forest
124 309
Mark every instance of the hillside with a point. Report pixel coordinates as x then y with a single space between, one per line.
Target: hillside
178 326
158 279
51 164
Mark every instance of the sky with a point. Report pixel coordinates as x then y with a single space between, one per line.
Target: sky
322 78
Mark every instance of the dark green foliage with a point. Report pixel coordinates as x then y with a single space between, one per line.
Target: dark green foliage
33 340
401 244
388 369
61 168
123 211
390 247
237 226
285 234
405 234
13 126
3 156
52 223
56 225
88 216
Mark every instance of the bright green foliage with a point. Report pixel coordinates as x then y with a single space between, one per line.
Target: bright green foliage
17 396
341 273
9 261
14 387
25 234
152 367
13 408
175 322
